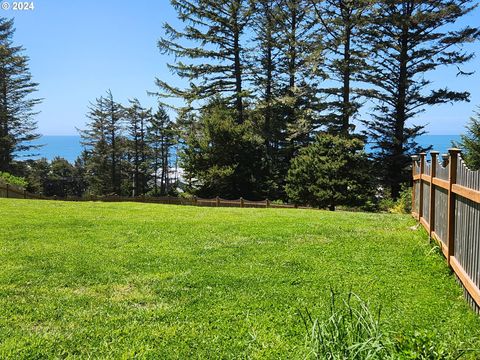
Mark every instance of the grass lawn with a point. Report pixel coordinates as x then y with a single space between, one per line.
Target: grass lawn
122 280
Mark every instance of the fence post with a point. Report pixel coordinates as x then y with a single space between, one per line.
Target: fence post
433 173
267 204
422 170
242 203
7 190
195 201
24 193
452 179
218 201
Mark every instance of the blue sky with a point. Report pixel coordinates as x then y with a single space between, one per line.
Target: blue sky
78 49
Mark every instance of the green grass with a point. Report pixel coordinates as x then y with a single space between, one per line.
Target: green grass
131 280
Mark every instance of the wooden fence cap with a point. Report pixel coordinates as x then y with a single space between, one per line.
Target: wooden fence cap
454 150
434 152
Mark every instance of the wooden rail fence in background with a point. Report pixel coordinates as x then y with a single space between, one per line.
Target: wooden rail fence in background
446 201
12 191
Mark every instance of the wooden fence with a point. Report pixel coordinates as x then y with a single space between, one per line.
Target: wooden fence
12 191
446 201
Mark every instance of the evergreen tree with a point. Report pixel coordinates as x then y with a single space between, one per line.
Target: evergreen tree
161 138
288 83
265 63
221 157
300 74
470 142
17 124
265 56
138 119
410 38
341 40
103 142
330 172
61 179
216 60
35 172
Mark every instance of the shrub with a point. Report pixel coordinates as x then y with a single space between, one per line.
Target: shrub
403 205
332 171
13 180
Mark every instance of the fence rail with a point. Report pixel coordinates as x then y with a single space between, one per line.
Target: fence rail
12 191
446 201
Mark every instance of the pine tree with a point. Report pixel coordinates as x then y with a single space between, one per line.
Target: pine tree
300 74
265 63
341 41
286 78
103 141
17 124
115 114
216 61
410 39
138 119
221 157
265 57
470 142
161 137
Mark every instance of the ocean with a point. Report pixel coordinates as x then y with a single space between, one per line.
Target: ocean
69 147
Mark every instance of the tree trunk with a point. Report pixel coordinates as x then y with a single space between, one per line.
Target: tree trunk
396 163
346 111
237 69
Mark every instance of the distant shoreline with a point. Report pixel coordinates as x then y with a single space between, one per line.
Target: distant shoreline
69 147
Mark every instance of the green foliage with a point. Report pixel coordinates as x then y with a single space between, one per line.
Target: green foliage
341 39
210 53
17 105
386 204
162 136
402 205
104 146
63 179
13 180
408 41
223 158
350 332
128 150
426 345
137 148
470 142
330 172
53 178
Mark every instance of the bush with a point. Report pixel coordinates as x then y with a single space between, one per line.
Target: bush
332 171
13 180
403 205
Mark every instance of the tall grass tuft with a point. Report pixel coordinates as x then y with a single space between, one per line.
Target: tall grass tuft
351 331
